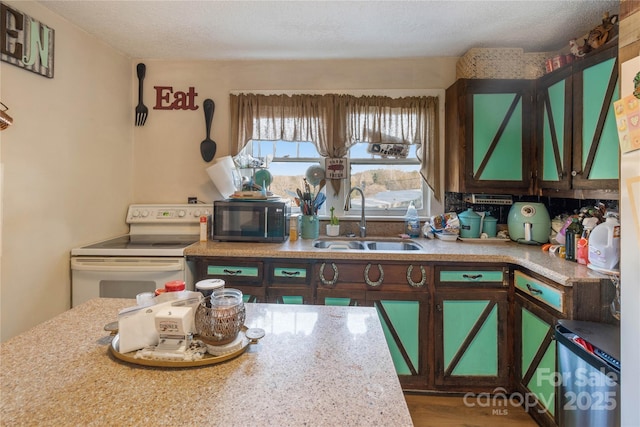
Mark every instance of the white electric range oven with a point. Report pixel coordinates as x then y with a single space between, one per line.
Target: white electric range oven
151 255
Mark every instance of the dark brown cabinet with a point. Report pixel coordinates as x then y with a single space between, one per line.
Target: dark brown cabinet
471 327
576 134
289 282
488 136
245 275
399 292
450 326
538 306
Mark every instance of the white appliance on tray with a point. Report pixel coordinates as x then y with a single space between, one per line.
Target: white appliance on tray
151 255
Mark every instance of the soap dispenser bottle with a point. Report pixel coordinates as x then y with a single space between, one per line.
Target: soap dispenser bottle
412 221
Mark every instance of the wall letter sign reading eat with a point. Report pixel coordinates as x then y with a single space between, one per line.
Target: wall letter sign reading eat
25 42
179 101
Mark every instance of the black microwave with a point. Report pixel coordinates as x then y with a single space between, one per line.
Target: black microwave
251 220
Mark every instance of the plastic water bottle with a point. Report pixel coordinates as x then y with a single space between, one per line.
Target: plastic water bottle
412 221
604 244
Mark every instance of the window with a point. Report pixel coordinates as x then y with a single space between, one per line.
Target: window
383 139
288 162
389 183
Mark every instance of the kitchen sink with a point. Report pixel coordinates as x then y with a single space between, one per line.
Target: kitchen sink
367 245
338 244
393 246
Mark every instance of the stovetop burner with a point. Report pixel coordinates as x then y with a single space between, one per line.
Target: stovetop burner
155 230
132 241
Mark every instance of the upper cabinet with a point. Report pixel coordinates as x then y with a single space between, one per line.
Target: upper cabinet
576 132
554 136
488 136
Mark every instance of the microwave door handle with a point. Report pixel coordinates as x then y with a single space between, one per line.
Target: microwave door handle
266 221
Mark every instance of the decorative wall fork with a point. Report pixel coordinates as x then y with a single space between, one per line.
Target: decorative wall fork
141 110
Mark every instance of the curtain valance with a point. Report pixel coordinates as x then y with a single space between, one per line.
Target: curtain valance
335 122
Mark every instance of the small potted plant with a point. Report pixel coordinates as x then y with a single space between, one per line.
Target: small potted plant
333 228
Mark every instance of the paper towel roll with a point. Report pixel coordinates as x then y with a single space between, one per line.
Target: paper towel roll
224 175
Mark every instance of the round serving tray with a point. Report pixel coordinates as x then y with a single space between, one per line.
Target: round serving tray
207 359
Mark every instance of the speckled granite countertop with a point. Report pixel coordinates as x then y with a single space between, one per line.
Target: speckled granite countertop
564 272
316 365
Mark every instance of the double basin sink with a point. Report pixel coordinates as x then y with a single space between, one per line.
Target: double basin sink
367 245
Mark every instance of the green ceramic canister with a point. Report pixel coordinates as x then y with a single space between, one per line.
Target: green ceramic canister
490 225
310 227
469 224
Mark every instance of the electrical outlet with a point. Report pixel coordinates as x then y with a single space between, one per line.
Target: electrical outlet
192 200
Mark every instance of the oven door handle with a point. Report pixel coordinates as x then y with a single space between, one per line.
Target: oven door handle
126 265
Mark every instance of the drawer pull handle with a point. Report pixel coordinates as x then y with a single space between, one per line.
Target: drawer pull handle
533 290
290 273
369 281
472 276
232 272
423 277
335 275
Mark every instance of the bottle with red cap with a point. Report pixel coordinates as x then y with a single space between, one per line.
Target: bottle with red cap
173 286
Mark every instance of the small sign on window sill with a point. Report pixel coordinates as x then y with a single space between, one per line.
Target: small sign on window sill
336 168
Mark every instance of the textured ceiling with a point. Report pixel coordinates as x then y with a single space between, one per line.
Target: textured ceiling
209 30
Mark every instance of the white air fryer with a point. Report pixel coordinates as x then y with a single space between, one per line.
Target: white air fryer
529 223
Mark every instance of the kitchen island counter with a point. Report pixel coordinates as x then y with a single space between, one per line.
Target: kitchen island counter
316 365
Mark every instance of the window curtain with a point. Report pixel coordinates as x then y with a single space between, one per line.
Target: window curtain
282 117
381 119
337 122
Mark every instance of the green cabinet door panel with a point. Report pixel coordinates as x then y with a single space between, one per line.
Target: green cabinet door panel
541 383
553 142
338 301
481 355
497 137
595 85
292 299
471 276
400 323
232 271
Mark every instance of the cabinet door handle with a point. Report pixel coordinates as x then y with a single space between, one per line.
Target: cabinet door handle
439 307
290 273
335 275
533 290
369 281
232 272
423 277
472 276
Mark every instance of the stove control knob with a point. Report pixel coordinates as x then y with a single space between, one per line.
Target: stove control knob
181 213
136 213
196 214
145 213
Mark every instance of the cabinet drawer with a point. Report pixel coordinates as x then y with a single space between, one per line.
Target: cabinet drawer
231 273
489 277
539 290
288 274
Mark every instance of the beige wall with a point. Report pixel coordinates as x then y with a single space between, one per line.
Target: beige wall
73 160
67 168
169 167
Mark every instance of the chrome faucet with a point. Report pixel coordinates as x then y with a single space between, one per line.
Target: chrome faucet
363 221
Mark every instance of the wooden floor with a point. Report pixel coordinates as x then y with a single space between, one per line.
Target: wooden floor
444 411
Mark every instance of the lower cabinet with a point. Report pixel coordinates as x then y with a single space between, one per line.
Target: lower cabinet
450 326
538 306
244 275
472 341
289 282
399 292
